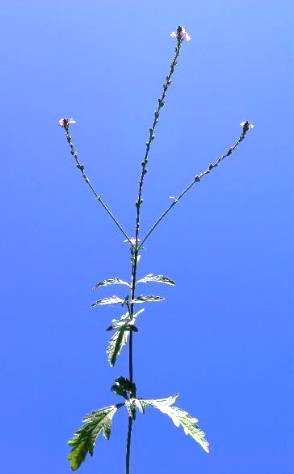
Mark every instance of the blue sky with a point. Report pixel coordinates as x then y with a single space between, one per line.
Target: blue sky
223 338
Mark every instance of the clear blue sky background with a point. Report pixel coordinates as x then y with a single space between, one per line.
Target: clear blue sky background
223 338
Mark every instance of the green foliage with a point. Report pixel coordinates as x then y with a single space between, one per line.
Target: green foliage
115 345
179 418
157 279
118 323
120 338
124 387
109 300
145 299
111 281
84 439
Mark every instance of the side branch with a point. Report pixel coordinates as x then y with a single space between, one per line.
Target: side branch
65 124
246 127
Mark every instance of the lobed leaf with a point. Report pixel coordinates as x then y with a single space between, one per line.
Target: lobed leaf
84 439
179 418
111 281
109 300
157 279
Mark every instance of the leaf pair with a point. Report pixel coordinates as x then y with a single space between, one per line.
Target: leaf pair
83 441
148 278
139 299
126 301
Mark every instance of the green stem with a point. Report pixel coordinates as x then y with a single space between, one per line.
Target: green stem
134 245
131 357
82 170
196 179
129 438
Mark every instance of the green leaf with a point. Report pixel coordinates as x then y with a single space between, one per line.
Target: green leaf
110 300
111 281
84 439
144 299
120 338
157 279
179 418
116 343
118 323
124 387
124 320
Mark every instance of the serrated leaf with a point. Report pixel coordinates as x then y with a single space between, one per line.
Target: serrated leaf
179 418
109 300
157 279
145 299
120 338
84 439
111 281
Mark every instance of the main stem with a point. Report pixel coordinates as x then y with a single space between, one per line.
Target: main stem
134 260
135 244
129 438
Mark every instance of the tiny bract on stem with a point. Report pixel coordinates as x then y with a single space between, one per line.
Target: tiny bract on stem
125 326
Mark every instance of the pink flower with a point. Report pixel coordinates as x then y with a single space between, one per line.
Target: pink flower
181 34
65 122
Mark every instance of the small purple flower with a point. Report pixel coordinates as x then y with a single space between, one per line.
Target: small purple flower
65 122
181 34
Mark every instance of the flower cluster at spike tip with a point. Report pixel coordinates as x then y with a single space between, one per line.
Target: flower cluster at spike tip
181 34
65 122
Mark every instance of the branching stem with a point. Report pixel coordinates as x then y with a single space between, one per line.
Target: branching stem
86 179
135 244
196 179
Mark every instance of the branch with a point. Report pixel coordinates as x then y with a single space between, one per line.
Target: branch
65 124
246 127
